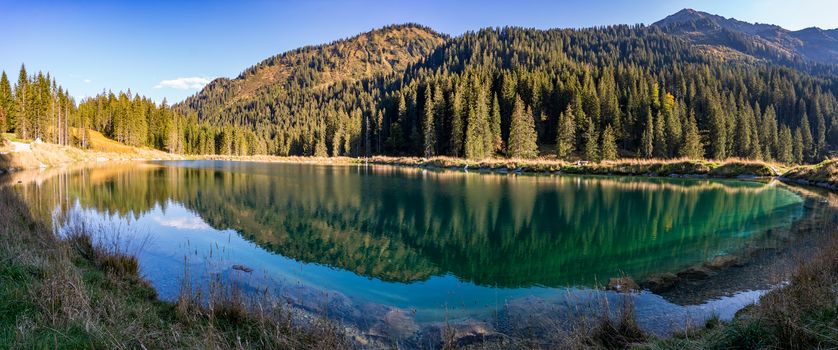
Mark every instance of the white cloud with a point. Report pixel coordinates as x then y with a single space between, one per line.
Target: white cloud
188 83
183 223
88 81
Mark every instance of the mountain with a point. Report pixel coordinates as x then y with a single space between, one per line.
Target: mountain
721 35
379 52
667 90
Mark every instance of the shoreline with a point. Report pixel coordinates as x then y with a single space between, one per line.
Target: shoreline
465 333
19 156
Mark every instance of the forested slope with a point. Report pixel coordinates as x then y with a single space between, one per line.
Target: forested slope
595 93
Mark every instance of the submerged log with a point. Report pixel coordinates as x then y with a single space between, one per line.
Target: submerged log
242 268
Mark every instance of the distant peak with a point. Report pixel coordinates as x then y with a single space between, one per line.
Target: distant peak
688 12
684 16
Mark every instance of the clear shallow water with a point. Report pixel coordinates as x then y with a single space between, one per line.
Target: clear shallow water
362 239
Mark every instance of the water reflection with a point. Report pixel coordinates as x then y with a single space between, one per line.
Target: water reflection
407 225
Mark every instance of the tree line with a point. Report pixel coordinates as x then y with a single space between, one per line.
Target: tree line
37 108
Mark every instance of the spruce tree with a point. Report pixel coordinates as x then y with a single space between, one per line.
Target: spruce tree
320 149
647 138
591 148
6 104
674 128
691 147
495 122
769 132
478 130
522 135
440 114
809 152
22 96
743 137
456 138
566 134
756 151
609 144
718 131
474 135
798 147
428 125
820 138
661 144
785 148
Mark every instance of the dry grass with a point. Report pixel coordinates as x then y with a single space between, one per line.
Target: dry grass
801 315
99 143
591 326
51 155
823 174
82 291
5 145
631 167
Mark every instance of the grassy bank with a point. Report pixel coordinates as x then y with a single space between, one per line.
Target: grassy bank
74 293
824 174
24 154
101 149
629 167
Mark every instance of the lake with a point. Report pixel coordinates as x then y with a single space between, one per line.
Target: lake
361 241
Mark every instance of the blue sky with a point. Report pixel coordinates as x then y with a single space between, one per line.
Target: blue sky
169 49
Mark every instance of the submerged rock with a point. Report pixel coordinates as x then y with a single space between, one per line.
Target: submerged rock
660 282
396 323
695 273
724 261
623 285
456 335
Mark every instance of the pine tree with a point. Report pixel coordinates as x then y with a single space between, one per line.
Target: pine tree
609 144
566 134
428 126
522 135
691 147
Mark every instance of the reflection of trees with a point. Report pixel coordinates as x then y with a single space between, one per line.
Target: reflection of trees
407 224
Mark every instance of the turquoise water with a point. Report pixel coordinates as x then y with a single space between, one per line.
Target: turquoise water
433 242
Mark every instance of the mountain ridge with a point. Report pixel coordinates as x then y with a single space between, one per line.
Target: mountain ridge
768 41
365 55
408 90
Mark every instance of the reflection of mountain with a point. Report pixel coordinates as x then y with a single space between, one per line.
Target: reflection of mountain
406 224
